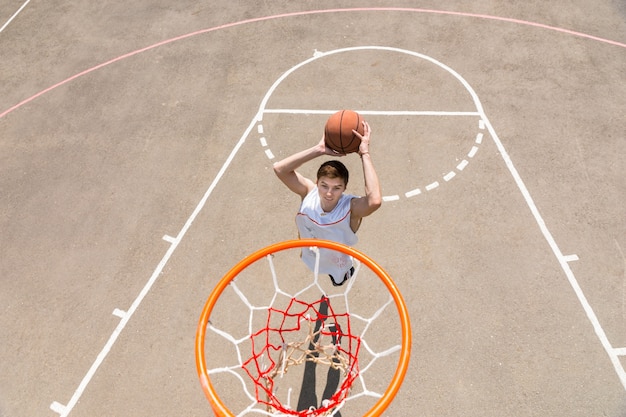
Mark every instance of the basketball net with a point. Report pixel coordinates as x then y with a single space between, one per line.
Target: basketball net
274 355
298 334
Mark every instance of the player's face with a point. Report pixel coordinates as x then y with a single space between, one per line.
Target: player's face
330 190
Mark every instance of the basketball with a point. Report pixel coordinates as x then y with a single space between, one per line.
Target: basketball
338 133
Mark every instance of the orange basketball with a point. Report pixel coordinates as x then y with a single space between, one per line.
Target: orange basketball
338 133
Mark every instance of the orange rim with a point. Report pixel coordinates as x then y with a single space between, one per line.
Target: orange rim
219 408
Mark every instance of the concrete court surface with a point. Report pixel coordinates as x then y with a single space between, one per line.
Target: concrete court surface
513 267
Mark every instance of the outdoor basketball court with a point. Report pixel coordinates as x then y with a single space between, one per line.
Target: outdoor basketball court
137 143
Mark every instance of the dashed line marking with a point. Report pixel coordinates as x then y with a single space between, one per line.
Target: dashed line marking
570 258
391 198
447 177
432 186
413 193
169 238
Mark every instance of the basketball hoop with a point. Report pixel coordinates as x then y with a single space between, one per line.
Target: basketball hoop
300 332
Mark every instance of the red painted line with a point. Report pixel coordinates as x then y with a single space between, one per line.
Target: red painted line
305 13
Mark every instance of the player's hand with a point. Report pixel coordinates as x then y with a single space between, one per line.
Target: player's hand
326 149
364 147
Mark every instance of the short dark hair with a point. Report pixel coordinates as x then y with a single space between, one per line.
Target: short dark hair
333 169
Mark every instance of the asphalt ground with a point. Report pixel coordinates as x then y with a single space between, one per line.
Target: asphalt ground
135 173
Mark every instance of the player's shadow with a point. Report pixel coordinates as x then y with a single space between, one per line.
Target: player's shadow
308 395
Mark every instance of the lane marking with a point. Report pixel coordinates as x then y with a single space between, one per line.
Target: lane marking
14 15
155 275
169 239
57 407
119 313
373 112
570 258
582 299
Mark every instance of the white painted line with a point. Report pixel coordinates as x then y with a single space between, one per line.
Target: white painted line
570 258
168 238
14 14
582 299
391 198
479 138
376 113
413 193
620 351
260 129
481 124
155 275
472 151
263 141
449 176
57 407
269 154
263 109
432 186
462 165
119 313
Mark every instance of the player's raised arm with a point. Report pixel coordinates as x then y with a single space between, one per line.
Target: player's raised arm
372 200
286 169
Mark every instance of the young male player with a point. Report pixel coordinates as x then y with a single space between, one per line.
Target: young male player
326 212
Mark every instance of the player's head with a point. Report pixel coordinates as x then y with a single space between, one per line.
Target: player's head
332 179
333 169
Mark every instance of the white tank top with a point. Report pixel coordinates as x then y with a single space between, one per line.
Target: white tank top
314 223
